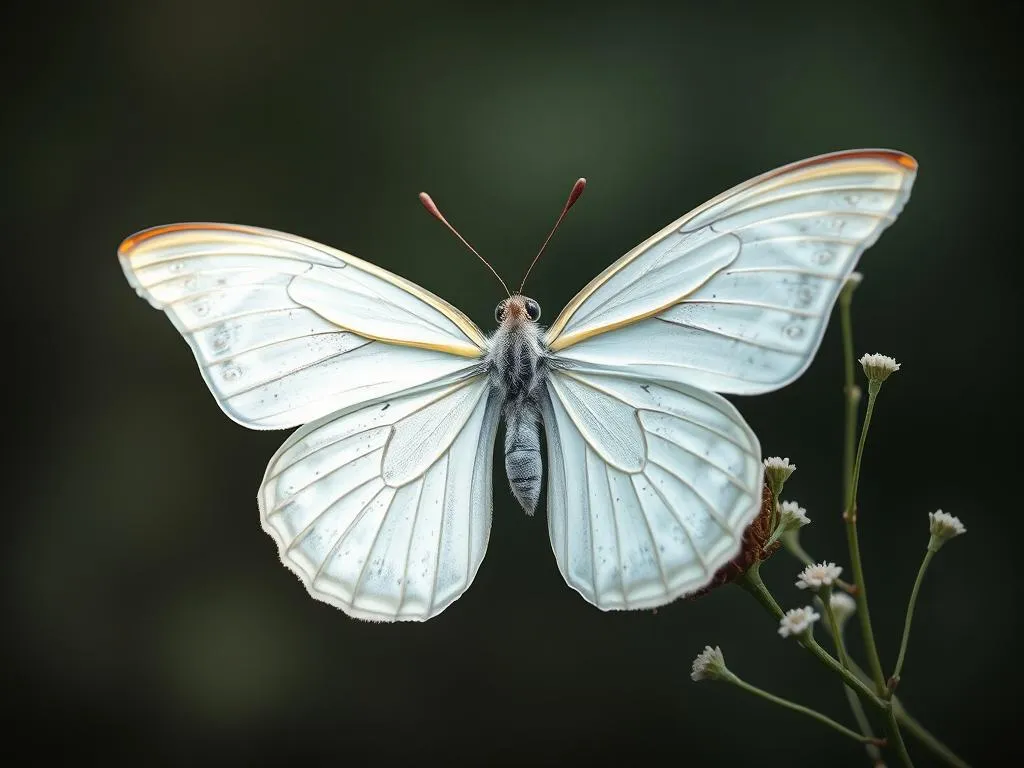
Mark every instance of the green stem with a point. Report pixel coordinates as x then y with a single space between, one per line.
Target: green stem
801 709
752 583
896 738
861 594
904 718
826 602
851 393
925 737
921 733
874 753
910 616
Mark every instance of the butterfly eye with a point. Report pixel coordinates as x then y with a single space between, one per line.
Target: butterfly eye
532 310
499 312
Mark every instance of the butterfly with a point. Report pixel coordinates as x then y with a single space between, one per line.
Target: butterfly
381 501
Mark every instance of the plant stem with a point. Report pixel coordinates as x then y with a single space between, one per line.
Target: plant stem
751 581
925 737
861 594
896 738
922 734
910 616
802 710
874 753
851 394
904 718
826 602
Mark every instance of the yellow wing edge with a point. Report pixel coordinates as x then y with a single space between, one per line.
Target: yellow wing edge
821 165
136 244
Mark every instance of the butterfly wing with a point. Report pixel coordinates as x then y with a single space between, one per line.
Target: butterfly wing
384 510
286 330
734 296
650 486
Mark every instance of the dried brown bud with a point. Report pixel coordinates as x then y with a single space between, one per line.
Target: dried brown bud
751 549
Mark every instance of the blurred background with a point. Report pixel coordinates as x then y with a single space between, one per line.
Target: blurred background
147 618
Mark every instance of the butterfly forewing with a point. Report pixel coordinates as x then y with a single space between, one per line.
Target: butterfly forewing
286 330
753 321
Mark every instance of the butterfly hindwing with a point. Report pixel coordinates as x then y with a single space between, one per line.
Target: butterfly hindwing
384 510
650 486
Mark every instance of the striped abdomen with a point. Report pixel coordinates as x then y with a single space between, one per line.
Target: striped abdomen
522 454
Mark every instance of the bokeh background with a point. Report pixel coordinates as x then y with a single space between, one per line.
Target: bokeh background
146 617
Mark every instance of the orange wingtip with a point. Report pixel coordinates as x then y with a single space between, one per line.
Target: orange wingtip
907 162
894 156
134 241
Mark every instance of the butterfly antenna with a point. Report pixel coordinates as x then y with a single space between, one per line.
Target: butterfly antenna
434 211
574 195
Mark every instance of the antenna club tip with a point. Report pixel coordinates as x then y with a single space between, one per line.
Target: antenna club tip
577 190
430 205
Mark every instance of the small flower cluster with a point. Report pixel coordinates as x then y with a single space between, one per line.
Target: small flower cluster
943 527
819 575
709 664
797 621
792 516
786 518
878 367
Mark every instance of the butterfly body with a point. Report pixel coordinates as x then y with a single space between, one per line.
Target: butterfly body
517 360
380 501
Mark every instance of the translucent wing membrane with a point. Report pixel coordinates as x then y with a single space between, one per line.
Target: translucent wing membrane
650 486
734 297
286 330
384 510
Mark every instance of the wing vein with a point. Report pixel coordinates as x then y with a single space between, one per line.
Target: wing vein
615 528
408 549
725 335
440 532
220 360
755 304
682 526
712 512
650 531
310 525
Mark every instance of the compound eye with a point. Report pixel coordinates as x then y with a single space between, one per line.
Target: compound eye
499 312
532 310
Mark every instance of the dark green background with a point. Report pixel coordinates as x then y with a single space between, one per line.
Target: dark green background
146 615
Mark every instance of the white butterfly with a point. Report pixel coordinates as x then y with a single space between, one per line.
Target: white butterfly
381 503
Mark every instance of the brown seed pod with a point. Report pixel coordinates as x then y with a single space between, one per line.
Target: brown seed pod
752 549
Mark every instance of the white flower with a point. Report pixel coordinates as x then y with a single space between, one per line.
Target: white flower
843 607
797 621
709 664
777 472
792 516
819 575
878 367
853 280
943 527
